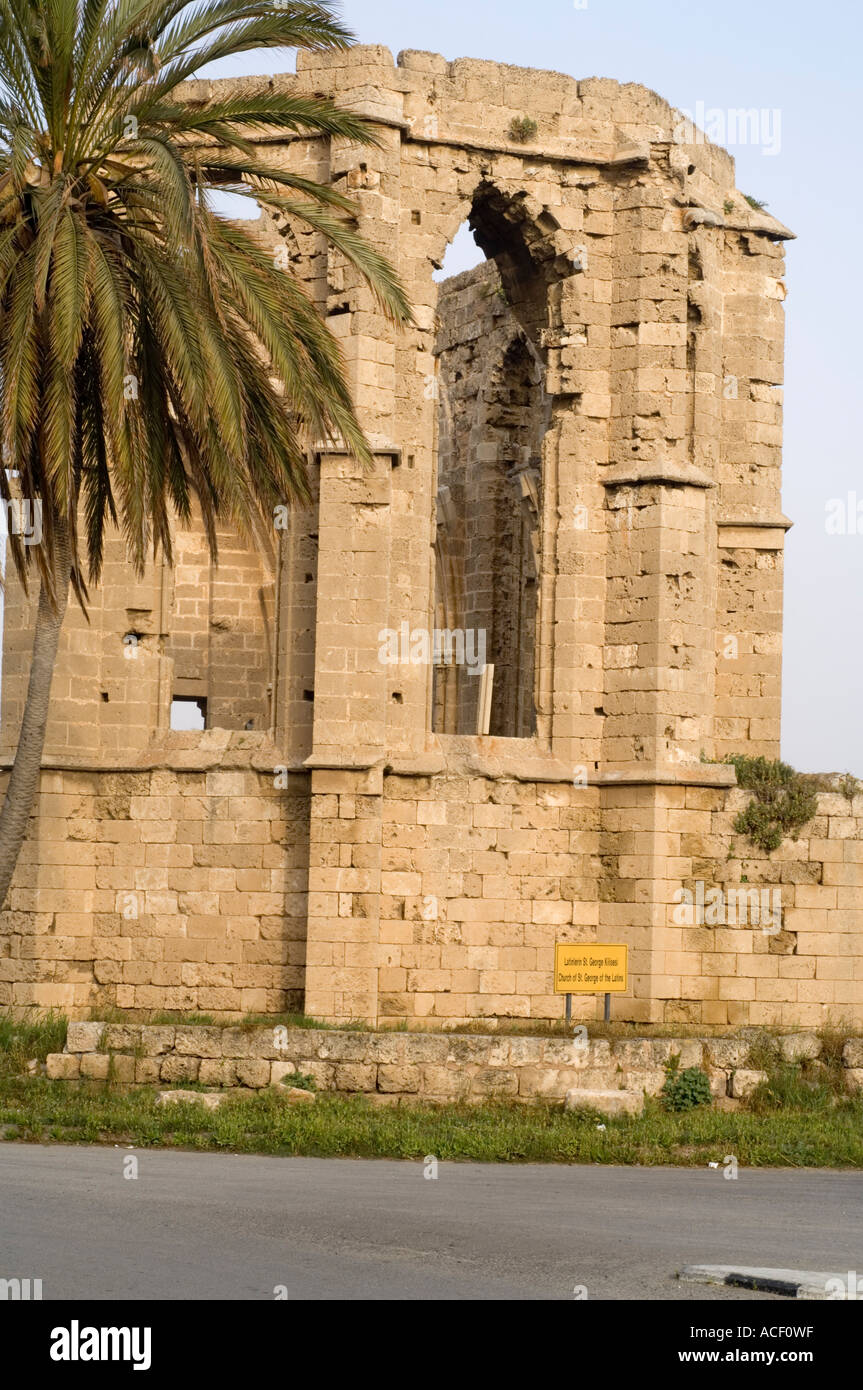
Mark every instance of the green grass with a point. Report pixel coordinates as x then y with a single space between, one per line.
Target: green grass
23 1039
800 1117
63 1112
811 1086
107 1013
763 1052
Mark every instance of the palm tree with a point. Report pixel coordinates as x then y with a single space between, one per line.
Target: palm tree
152 353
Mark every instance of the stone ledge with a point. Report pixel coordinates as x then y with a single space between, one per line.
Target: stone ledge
664 472
526 760
438 1067
669 774
212 750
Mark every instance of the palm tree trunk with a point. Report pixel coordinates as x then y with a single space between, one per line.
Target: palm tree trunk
23 785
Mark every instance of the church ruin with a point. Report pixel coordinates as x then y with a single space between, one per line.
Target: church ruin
474 701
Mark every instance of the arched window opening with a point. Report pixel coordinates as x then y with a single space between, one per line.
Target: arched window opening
492 417
462 253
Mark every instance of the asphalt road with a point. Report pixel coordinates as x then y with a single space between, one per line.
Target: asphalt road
213 1226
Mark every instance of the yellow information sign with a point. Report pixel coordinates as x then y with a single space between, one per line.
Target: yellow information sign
582 969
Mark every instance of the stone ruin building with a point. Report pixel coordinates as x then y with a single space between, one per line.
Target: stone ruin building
577 478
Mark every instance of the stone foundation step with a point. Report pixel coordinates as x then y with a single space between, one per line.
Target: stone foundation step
606 1102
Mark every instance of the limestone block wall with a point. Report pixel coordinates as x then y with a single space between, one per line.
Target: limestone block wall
748 641
811 970
476 878
166 887
228 889
192 630
792 958
479 878
751 523
221 629
415 1066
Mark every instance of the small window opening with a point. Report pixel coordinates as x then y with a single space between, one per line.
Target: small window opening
188 712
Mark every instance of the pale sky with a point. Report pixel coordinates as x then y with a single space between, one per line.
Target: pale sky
799 64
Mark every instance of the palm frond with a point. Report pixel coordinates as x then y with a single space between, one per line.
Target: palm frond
154 357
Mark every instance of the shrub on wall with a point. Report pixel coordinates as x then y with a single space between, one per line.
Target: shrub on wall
522 129
782 801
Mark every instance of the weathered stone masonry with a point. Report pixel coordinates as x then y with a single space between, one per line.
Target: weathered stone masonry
577 451
393 1066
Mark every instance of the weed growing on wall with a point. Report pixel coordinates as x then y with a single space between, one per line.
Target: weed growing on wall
522 129
782 800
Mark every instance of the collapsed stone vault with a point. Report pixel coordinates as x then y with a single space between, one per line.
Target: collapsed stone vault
577 454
